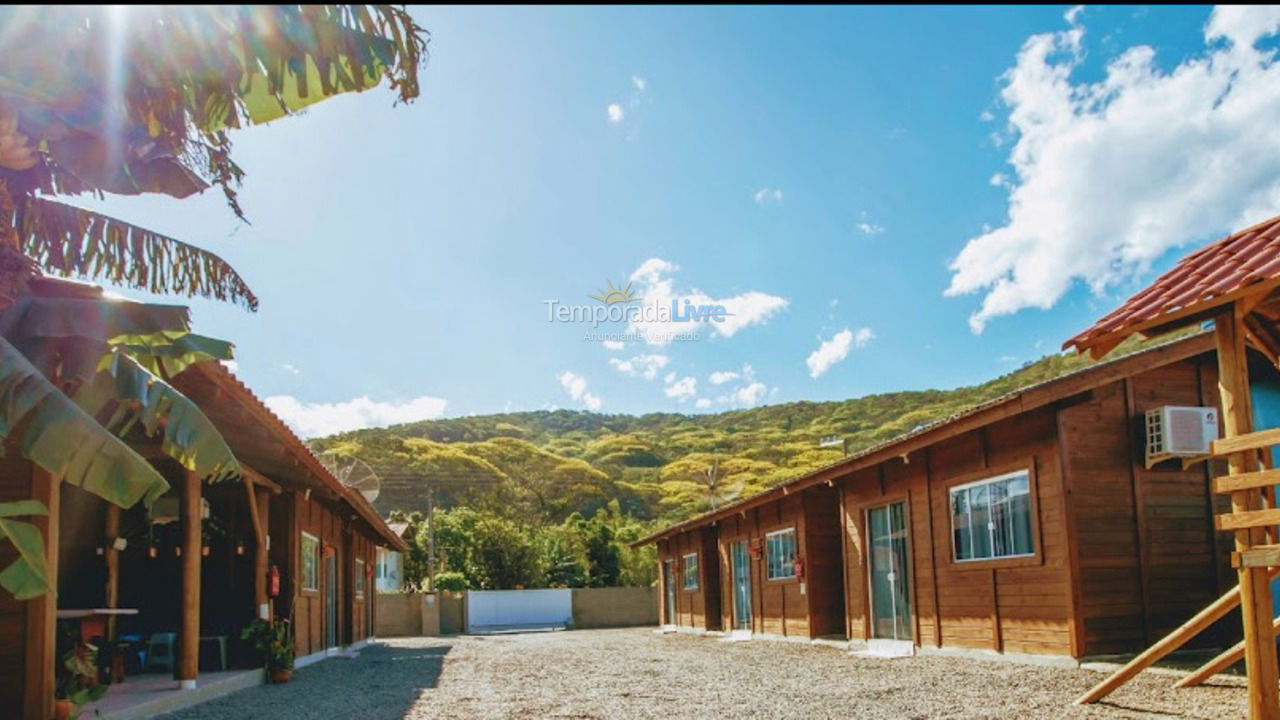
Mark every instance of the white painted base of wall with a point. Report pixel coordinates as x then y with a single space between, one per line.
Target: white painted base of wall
187 684
1063 661
878 648
319 655
737 636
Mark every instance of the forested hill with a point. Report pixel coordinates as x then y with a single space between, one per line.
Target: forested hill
539 467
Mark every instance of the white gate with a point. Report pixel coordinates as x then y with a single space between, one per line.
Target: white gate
499 610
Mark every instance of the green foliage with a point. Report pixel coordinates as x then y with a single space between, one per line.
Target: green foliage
450 580
27 576
273 640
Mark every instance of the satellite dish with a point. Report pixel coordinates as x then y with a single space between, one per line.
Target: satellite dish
353 473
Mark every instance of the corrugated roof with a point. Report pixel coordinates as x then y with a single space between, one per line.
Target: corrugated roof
1061 386
1204 279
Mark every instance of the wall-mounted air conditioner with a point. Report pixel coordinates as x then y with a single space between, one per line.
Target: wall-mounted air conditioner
1180 432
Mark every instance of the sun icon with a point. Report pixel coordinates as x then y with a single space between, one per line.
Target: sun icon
615 294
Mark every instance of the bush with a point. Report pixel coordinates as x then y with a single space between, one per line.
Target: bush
455 581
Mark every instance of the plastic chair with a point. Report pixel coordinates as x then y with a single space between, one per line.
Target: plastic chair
160 650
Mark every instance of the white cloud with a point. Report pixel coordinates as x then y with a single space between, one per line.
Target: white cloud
866 227
750 394
290 369
645 365
721 377
230 365
832 351
682 389
639 82
655 286
615 112
1108 176
768 196
613 344
576 386
702 403
319 419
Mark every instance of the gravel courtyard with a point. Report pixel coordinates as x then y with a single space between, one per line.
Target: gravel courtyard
636 673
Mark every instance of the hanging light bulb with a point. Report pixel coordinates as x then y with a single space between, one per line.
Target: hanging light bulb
152 551
240 548
177 550
205 551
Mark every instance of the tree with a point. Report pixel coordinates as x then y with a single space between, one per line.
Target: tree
78 373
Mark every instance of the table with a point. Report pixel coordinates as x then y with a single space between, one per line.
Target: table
93 621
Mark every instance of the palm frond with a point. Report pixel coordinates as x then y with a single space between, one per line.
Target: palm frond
59 436
184 76
140 398
75 242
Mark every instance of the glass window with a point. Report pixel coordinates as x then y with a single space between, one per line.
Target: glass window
691 571
780 554
359 577
310 562
991 518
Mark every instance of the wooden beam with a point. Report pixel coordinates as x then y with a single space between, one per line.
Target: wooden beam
1174 640
258 478
1257 556
1255 586
1247 519
41 642
1245 441
1229 657
1228 484
187 667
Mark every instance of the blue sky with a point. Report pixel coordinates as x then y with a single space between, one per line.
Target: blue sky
831 172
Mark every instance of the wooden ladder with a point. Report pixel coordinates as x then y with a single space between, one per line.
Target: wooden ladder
1265 555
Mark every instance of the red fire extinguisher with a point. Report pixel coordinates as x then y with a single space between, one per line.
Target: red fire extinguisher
273 581
799 561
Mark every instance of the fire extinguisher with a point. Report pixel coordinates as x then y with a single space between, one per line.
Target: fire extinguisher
273 581
799 561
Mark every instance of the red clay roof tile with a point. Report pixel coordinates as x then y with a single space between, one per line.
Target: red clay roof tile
1231 264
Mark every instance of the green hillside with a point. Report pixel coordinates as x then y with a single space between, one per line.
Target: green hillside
540 467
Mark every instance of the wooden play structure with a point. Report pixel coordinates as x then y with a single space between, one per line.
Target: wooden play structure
1235 284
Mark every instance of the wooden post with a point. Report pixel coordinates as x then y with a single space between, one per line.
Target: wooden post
258 508
431 538
42 635
187 666
112 557
1255 588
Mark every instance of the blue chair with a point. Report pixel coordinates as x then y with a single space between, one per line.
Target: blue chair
160 650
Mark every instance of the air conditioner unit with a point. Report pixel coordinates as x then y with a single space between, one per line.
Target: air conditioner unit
1180 432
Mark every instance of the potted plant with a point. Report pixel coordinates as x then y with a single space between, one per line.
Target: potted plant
77 681
275 641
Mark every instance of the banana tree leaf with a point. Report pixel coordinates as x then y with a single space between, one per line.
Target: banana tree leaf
101 319
72 241
144 399
60 437
27 576
171 357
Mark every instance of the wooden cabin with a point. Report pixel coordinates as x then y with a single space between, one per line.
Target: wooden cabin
195 567
1028 524
690 581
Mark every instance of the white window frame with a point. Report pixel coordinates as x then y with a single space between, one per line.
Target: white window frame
795 545
684 571
1031 517
302 565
